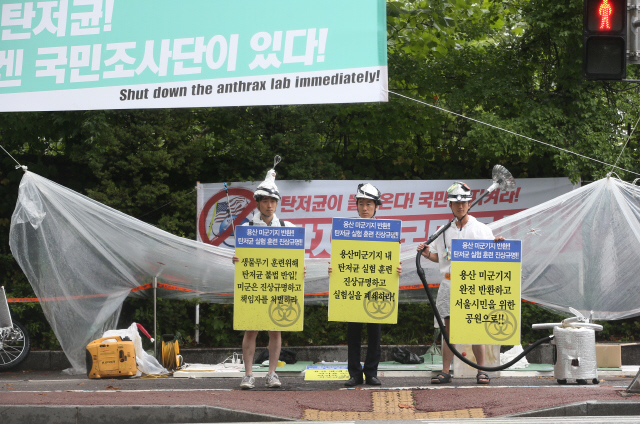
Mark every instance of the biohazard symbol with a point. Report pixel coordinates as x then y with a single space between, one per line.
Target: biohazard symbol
501 325
379 303
284 314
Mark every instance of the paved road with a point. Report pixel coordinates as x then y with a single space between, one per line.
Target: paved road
407 397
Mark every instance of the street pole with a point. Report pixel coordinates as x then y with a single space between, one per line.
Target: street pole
155 322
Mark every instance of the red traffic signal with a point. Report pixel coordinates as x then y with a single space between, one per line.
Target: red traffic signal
605 16
604 39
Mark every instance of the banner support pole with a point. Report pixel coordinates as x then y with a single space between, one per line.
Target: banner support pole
155 322
198 323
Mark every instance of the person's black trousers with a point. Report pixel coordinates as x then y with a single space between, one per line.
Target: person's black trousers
354 332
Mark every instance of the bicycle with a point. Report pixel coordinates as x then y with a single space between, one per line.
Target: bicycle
14 338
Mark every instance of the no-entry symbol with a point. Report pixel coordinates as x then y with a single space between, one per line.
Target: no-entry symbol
218 239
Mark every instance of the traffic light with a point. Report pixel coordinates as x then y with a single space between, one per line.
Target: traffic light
604 39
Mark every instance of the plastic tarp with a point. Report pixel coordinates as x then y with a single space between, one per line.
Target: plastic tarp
582 250
146 363
511 354
84 258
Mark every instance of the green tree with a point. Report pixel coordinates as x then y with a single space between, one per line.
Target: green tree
515 64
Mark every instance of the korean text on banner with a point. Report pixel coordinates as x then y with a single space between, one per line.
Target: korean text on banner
269 279
313 204
365 254
485 292
116 54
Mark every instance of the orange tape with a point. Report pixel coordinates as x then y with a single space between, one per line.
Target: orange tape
53 299
88 296
176 288
419 286
413 287
142 287
24 300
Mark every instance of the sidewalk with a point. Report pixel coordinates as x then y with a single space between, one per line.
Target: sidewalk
27 395
35 393
46 360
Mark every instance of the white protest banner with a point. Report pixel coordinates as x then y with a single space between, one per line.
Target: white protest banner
121 54
421 205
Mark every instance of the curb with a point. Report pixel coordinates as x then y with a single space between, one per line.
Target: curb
55 360
134 414
585 409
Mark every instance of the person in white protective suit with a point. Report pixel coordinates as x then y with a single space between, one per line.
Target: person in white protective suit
367 200
465 227
267 198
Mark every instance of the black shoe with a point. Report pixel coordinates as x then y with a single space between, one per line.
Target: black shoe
373 381
353 382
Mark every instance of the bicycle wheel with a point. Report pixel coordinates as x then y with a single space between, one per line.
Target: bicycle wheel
14 346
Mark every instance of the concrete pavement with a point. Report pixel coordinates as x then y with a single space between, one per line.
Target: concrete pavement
35 396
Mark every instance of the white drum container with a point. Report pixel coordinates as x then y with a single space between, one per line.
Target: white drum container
575 355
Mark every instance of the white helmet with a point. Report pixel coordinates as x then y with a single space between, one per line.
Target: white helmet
459 192
268 187
368 191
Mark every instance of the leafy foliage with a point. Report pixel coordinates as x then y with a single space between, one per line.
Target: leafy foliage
513 64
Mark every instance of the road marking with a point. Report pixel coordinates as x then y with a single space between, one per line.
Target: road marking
437 387
391 405
38 381
379 389
116 391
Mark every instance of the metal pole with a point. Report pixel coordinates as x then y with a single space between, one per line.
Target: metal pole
233 225
198 323
632 32
155 322
198 305
445 227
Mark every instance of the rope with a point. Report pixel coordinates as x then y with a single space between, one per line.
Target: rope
625 144
14 159
24 168
154 376
170 352
166 204
513 133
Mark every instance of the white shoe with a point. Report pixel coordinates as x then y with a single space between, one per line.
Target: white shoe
272 380
248 382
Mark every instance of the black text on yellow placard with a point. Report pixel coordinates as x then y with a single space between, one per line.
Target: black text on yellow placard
365 254
269 279
485 292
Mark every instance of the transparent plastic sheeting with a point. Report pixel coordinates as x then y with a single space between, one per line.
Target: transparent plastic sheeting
146 363
582 249
84 258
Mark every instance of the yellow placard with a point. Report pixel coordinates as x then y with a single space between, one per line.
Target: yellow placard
364 283
326 374
485 303
269 289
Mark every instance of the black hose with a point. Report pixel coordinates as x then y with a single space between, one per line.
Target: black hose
446 336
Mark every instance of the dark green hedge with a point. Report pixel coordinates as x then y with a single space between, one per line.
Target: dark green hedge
415 325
